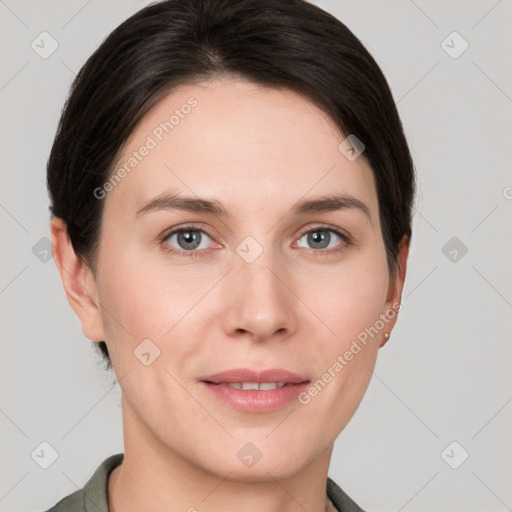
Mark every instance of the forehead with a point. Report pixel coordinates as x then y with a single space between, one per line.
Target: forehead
248 145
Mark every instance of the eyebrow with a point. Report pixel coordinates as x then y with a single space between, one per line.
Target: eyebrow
327 203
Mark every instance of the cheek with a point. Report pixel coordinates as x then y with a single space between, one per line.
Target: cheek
349 303
146 301
134 307
349 298
346 352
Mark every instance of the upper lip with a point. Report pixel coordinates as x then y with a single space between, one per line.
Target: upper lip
248 375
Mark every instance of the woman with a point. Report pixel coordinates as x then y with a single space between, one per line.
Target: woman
231 194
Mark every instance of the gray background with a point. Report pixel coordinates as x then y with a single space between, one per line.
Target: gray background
444 376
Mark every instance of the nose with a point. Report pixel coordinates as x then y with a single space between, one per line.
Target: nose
261 304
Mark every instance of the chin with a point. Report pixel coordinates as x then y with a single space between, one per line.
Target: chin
248 464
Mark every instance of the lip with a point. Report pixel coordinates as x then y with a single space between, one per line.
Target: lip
248 375
255 400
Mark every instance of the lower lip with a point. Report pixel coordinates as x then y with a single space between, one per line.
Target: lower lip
257 401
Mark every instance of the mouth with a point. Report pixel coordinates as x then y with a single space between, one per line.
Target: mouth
255 391
258 386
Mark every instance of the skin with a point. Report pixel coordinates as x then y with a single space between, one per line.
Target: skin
258 151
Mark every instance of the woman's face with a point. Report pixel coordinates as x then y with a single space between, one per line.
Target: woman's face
263 286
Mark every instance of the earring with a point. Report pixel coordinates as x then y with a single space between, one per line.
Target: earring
386 338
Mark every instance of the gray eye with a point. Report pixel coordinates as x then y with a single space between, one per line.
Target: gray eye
189 239
320 238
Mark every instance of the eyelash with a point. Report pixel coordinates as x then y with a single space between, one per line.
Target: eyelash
346 241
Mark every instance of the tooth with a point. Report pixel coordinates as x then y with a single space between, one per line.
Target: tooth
264 386
249 385
268 385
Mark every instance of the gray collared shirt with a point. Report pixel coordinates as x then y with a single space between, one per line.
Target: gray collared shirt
93 496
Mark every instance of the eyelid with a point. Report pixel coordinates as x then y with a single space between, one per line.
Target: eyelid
327 227
183 227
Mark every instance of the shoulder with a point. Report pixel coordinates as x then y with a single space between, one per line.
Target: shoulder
342 501
93 496
73 503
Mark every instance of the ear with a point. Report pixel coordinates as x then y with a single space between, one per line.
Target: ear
396 284
78 280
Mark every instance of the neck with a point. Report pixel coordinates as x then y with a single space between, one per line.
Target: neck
153 477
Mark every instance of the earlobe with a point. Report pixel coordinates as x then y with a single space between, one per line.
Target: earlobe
78 281
385 339
394 296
